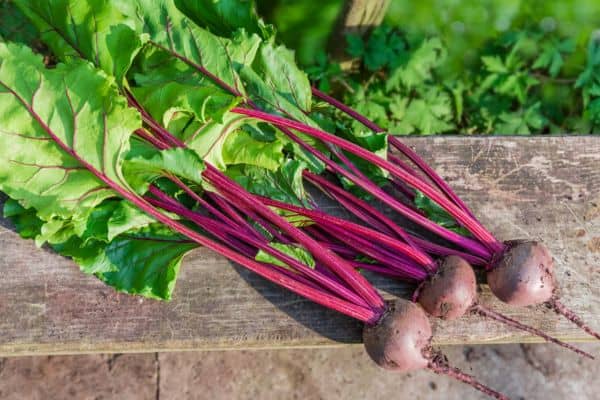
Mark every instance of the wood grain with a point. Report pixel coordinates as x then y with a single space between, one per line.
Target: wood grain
545 187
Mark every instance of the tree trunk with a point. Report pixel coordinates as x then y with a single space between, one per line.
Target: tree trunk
358 18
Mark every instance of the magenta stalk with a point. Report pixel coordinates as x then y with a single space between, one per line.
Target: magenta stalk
464 219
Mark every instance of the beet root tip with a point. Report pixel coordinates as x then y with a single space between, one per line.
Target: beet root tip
451 291
400 340
524 276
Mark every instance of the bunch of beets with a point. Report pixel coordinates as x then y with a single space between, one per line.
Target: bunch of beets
189 116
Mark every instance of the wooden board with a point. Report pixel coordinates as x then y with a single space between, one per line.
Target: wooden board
545 187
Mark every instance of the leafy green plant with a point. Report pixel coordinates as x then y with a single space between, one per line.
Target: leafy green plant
524 83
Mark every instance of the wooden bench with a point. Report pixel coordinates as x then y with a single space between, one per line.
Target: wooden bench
535 187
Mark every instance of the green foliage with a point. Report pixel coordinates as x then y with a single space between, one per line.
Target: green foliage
58 124
141 170
382 49
35 170
65 134
523 84
284 184
145 261
15 26
295 252
92 29
435 213
224 16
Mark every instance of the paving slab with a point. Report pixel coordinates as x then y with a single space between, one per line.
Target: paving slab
82 377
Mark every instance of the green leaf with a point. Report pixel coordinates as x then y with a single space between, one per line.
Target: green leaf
355 45
418 69
552 55
323 71
208 140
295 252
270 99
255 69
166 99
267 73
15 26
377 144
429 115
591 74
241 148
26 222
494 64
125 217
383 48
277 67
437 214
141 171
166 26
97 30
146 262
90 255
81 107
522 122
594 111
224 16
285 184
260 131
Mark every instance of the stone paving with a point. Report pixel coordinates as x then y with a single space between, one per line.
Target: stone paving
536 372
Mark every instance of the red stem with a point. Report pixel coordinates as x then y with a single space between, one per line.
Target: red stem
419 162
323 218
382 271
338 265
345 271
464 219
377 219
283 124
218 229
382 255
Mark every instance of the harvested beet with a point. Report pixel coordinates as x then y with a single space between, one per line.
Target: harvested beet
524 276
451 291
448 293
401 341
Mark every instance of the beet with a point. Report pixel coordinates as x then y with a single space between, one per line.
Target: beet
524 275
451 291
401 341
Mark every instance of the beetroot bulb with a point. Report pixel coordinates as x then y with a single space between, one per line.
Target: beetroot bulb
401 341
519 273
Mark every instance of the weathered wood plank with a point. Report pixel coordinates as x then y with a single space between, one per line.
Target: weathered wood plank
547 187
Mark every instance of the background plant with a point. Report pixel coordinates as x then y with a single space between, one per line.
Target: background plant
494 67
